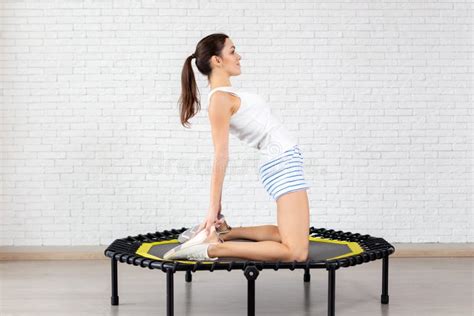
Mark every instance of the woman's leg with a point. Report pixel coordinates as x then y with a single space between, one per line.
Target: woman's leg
257 233
293 226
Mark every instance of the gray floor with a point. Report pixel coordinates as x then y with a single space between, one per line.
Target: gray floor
425 286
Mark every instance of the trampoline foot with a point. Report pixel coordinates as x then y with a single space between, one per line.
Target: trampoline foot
384 299
189 276
114 299
169 293
307 276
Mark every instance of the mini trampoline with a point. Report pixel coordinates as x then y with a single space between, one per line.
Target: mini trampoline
329 250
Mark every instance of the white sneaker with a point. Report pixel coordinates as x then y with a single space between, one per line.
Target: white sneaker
198 239
188 234
194 252
191 232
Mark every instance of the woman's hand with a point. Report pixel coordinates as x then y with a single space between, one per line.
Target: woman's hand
209 221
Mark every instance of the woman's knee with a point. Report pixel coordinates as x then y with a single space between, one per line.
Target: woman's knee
298 254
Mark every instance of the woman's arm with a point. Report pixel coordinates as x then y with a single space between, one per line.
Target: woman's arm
217 181
220 111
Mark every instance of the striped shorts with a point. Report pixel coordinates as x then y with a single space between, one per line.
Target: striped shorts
284 173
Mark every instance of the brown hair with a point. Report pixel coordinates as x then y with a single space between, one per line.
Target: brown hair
189 103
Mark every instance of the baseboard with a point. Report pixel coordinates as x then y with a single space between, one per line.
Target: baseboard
403 250
13 253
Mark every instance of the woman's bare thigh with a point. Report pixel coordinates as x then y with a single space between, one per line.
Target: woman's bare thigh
293 220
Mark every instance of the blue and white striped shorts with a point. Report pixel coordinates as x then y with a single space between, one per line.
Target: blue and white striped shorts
284 173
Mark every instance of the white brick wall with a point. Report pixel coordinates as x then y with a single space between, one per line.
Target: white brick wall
376 92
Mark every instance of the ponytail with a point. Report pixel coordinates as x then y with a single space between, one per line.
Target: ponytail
189 102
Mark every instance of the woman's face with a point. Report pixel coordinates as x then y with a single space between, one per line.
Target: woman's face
230 60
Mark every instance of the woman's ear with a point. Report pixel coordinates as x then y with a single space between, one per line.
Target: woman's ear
216 60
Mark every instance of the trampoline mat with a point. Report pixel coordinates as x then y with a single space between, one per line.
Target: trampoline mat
320 249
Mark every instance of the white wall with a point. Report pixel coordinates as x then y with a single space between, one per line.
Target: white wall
376 93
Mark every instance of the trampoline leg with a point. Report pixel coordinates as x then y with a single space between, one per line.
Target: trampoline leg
114 298
384 296
169 293
251 273
307 276
331 292
189 276
251 298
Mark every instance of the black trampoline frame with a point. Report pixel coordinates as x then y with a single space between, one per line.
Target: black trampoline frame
123 250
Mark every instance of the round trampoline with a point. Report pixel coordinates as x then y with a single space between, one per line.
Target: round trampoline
329 249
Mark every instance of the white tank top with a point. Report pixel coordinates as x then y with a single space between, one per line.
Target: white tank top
254 124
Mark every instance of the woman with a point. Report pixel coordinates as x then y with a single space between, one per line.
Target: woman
246 116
